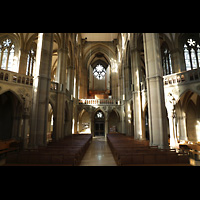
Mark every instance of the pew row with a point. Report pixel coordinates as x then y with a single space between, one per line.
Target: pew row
130 152
66 152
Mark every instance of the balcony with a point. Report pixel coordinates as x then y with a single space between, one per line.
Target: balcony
15 78
99 102
186 77
26 81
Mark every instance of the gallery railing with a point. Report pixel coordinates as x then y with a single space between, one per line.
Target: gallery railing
182 77
99 101
17 78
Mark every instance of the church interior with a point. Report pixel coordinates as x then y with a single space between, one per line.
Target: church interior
66 96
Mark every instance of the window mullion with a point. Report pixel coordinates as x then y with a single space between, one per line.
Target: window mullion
190 59
7 59
2 51
197 58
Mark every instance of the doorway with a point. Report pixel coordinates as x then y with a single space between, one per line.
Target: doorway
99 124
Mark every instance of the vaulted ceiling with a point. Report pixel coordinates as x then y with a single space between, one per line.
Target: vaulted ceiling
99 36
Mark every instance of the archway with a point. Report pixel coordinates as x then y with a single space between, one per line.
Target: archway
84 122
99 123
113 122
10 116
191 121
188 117
50 124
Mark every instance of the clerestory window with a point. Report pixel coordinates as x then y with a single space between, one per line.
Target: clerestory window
7 55
166 60
99 72
30 62
191 54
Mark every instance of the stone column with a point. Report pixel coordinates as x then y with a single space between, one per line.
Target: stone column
41 89
26 130
92 123
136 94
182 127
155 91
176 61
70 79
122 119
60 104
23 61
106 123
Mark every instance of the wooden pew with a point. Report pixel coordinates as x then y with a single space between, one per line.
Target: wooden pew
153 159
7 146
128 151
67 152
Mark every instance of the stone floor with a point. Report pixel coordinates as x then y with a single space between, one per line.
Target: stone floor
98 154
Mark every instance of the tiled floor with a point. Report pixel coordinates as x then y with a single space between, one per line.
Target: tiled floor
98 154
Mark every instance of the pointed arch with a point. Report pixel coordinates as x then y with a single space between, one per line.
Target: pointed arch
113 121
191 121
15 94
84 122
11 110
98 109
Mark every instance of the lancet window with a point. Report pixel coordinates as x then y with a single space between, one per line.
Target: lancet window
191 54
166 60
30 62
7 55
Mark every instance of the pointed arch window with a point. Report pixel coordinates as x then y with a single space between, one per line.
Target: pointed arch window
191 54
166 60
7 55
30 62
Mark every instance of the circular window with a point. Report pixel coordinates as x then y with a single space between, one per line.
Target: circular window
99 115
99 72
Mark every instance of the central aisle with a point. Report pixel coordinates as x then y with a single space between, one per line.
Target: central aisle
98 153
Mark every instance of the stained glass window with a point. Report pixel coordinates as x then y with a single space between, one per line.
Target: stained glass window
99 72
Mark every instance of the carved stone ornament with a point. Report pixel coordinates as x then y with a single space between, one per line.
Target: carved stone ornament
171 101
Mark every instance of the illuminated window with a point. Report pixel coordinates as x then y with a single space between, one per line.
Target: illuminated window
99 72
191 54
166 60
99 115
30 62
7 52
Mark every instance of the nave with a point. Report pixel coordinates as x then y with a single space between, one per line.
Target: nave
112 150
98 153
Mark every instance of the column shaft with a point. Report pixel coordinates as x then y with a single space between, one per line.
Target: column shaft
155 91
